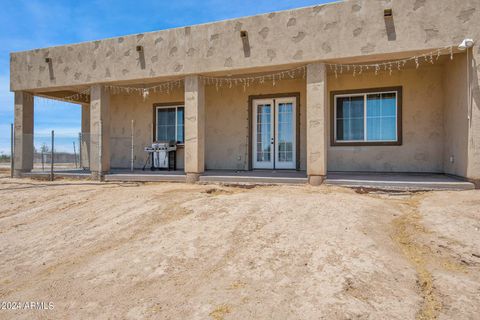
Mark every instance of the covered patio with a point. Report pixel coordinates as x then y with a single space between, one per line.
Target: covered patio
243 104
227 133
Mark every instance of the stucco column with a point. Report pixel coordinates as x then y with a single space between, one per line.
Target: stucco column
473 164
316 123
99 131
23 159
194 128
85 136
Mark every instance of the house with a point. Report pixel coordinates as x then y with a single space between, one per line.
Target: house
351 86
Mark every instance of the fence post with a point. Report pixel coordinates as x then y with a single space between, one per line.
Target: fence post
74 154
100 145
12 141
80 164
132 151
53 155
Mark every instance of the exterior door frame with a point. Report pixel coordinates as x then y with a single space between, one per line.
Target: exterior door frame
290 165
264 164
296 96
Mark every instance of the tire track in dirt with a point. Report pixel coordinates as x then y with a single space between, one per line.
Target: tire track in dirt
407 228
408 235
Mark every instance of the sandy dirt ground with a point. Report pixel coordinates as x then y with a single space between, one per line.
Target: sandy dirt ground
177 251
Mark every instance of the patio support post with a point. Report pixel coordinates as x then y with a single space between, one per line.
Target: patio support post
85 137
23 144
473 73
194 128
316 123
99 131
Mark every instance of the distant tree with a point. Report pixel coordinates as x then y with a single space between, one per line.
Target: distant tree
44 148
4 157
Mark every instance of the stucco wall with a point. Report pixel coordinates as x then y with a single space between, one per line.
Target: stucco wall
227 128
422 148
473 167
123 109
456 116
433 125
338 30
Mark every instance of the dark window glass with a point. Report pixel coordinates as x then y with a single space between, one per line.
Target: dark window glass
373 122
170 124
350 118
382 117
180 125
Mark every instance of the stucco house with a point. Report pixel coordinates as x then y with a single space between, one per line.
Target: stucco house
351 86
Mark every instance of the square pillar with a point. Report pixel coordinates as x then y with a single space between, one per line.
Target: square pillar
473 149
85 137
99 131
317 99
23 144
194 128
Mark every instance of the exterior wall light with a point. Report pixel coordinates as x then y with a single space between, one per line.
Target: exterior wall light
246 43
141 56
466 44
389 24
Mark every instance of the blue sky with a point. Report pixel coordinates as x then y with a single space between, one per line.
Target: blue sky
30 24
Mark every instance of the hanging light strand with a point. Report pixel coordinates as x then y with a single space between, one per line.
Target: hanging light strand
388 66
301 71
164 87
80 96
246 82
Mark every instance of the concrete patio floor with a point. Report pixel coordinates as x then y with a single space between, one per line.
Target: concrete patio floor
390 181
402 181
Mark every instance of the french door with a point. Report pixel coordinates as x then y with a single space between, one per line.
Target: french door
274 133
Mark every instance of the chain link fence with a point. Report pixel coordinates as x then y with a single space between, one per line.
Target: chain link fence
59 152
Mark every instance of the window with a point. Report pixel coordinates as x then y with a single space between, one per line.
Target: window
170 124
371 117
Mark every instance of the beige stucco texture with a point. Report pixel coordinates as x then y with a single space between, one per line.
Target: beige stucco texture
226 124
440 101
333 31
422 118
127 107
456 129
432 132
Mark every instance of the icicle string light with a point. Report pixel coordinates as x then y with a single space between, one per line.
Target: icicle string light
164 87
273 78
80 96
246 82
388 66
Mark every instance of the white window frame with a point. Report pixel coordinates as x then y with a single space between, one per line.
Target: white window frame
176 121
365 94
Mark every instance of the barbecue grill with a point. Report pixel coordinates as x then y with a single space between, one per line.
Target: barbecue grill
162 155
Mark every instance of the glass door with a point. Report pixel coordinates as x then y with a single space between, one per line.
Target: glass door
274 133
263 142
285 133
